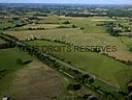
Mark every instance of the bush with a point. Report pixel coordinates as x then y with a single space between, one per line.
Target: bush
74 86
74 26
81 28
66 22
130 49
62 26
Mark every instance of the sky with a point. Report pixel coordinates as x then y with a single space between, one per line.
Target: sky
70 1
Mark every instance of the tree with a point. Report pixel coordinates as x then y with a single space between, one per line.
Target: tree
66 22
81 28
74 86
74 26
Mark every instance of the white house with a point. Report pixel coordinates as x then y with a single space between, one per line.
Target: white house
5 98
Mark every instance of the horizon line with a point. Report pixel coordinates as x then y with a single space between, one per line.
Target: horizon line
66 3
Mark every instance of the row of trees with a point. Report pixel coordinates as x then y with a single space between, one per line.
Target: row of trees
115 29
6 45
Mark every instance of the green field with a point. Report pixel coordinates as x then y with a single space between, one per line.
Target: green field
101 66
16 77
9 62
127 41
9 23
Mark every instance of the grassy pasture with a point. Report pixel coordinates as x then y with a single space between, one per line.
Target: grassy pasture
8 64
5 25
89 24
8 54
103 67
9 23
51 20
127 41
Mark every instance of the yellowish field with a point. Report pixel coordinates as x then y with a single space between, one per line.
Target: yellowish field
37 26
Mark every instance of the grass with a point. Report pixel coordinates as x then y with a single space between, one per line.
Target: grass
51 20
127 41
103 67
6 25
9 64
89 25
6 55
13 83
